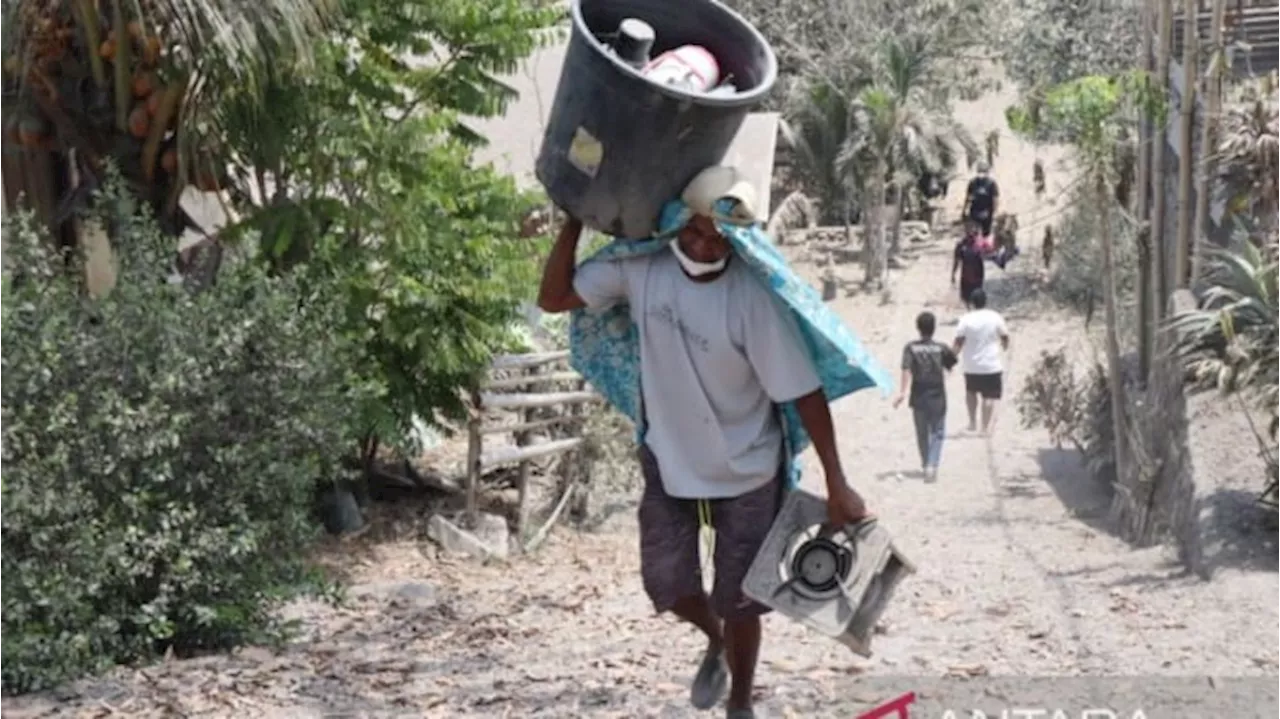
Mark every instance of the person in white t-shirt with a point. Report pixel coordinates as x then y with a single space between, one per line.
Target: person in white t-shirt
981 339
718 354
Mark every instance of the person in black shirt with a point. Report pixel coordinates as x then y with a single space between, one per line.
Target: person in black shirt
981 199
970 262
925 364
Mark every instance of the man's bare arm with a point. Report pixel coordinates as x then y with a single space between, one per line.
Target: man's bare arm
957 346
556 294
815 415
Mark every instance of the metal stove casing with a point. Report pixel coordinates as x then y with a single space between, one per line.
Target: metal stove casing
836 582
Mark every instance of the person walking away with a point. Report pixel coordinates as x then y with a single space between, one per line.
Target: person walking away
981 338
717 355
969 260
982 199
925 364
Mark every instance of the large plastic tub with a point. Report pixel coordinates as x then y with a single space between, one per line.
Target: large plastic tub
617 146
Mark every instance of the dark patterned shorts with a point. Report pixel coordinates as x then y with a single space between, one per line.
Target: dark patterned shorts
669 563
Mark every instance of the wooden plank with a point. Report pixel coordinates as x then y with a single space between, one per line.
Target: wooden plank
1259 60
525 381
1257 27
526 401
509 455
530 425
1205 9
1255 35
1243 27
535 359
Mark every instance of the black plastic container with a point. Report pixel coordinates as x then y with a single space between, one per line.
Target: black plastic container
618 146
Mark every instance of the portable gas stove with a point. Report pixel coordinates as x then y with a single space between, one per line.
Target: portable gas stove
835 580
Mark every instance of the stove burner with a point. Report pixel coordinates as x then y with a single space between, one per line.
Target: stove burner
820 565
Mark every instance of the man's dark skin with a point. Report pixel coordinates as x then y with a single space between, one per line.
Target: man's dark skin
702 242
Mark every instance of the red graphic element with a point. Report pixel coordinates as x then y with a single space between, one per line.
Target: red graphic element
896 708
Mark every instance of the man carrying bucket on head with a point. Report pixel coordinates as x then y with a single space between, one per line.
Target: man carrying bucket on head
718 356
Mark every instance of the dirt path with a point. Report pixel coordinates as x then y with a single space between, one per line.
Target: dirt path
1018 576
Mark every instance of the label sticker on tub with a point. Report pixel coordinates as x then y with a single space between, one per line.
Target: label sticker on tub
586 152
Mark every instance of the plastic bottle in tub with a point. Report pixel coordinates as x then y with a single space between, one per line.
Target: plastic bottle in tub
689 67
633 42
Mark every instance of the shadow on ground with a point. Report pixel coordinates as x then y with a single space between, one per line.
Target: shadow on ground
1233 530
1236 532
1016 295
1087 499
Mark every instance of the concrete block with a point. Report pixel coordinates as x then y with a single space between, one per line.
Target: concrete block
488 540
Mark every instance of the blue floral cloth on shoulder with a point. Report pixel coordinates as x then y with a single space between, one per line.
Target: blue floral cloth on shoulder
605 345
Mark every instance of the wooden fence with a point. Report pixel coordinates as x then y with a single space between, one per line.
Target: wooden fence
525 397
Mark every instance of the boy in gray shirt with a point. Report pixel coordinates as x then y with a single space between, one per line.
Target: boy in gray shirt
925 364
717 355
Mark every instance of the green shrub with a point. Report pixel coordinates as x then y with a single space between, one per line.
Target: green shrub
161 451
1072 408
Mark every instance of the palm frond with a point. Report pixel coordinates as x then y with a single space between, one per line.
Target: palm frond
1230 342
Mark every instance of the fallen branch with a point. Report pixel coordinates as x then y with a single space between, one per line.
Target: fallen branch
540 536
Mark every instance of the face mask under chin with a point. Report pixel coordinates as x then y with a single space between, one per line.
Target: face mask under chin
692 266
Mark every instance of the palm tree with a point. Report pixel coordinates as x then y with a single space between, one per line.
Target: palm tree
140 82
901 131
870 134
818 123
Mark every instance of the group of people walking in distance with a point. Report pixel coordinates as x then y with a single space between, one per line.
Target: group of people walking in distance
980 341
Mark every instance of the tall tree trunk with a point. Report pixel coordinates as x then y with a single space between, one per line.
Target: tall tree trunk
1209 134
873 240
1146 320
1159 150
848 219
895 238
1119 411
1186 161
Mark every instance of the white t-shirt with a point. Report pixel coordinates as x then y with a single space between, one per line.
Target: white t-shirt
715 359
981 330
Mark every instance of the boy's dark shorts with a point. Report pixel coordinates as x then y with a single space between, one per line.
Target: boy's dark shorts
989 386
669 563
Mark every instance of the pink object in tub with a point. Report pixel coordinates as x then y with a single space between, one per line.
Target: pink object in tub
689 67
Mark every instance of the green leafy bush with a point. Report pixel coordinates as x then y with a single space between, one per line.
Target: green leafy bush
377 192
1229 343
1074 409
161 452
